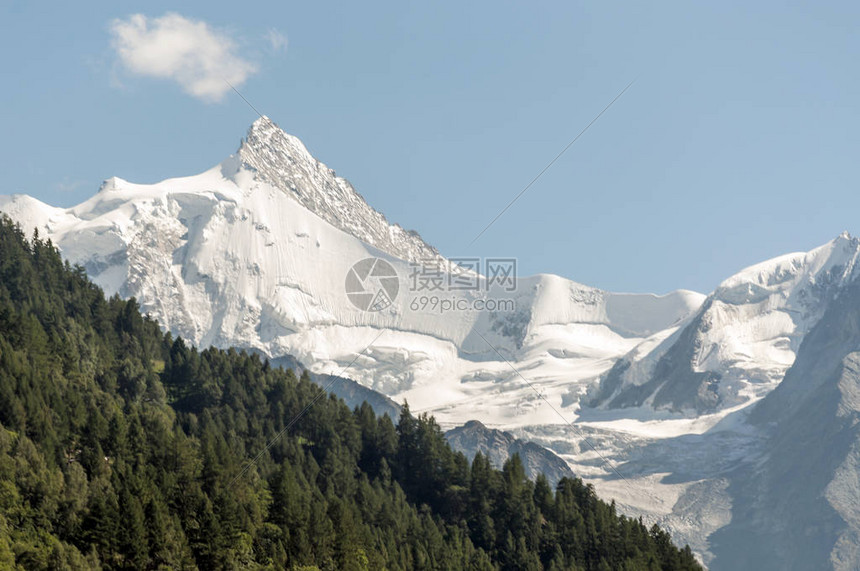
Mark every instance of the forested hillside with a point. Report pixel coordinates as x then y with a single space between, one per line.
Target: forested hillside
123 448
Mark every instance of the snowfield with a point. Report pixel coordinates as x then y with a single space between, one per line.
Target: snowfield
254 253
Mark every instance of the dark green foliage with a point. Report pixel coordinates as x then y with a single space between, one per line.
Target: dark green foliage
122 448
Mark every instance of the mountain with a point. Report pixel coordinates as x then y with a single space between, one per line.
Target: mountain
799 504
351 392
499 446
742 340
654 398
470 439
121 447
255 253
283 161
759 388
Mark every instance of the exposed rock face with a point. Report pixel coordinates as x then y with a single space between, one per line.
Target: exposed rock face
798 506
352 393
499 446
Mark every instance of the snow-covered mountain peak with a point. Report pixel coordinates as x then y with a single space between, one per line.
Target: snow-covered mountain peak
283 161
744 338
265 134
255 252
113 183
811 275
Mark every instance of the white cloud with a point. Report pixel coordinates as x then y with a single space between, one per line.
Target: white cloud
277 40
189 52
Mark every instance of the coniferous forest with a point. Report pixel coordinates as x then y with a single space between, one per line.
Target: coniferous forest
124 448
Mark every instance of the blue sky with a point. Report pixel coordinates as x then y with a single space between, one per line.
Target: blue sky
738 142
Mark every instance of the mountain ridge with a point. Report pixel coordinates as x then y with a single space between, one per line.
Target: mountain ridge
266 148
762 314
221 258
